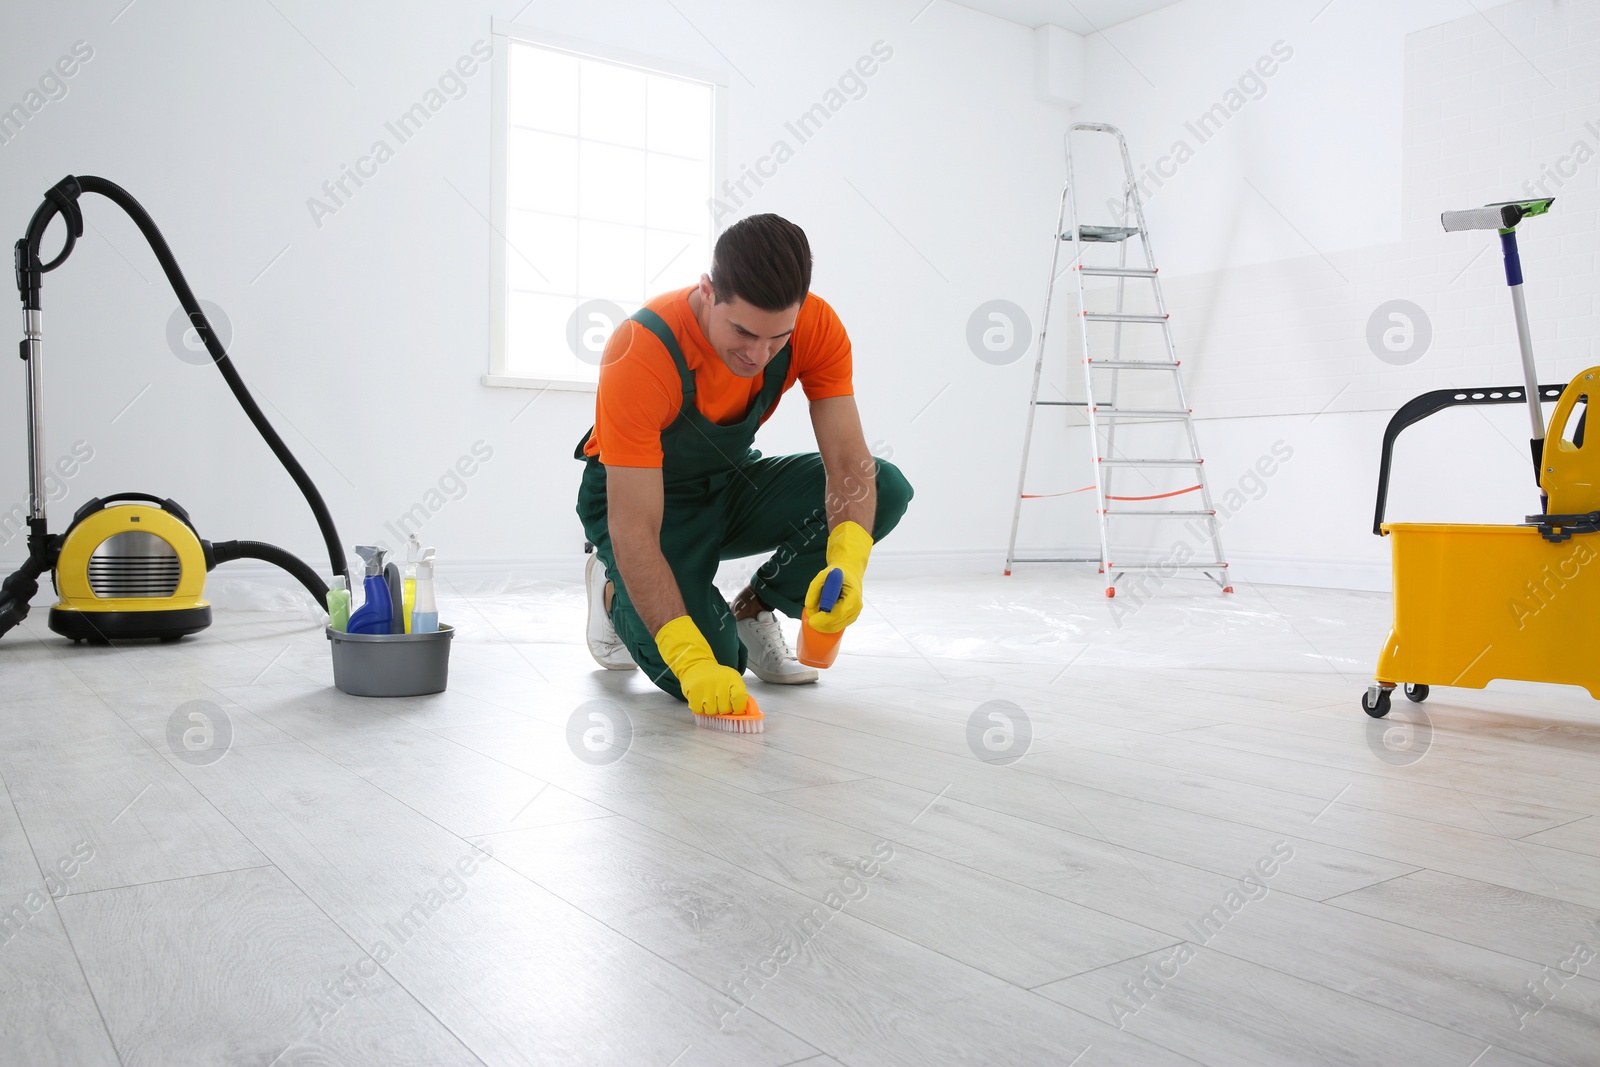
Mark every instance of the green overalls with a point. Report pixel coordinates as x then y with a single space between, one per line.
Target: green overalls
724 501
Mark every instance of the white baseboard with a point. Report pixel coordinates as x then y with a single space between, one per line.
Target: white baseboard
1263 569
253 585
1361 575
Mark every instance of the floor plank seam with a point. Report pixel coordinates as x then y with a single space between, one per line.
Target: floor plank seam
66 931
174 878
1038 889
673 965
1140 800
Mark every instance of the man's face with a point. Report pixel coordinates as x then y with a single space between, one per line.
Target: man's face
745 337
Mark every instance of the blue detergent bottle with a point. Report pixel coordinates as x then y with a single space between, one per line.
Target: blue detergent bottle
376 615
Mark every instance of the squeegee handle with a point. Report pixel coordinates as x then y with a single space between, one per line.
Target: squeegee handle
1530 373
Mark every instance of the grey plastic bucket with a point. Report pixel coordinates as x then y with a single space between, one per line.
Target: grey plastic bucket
391 665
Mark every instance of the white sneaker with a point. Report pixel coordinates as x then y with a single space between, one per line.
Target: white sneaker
770 658
604 644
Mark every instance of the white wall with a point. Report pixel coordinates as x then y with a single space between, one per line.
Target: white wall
924 199
366 339
1318 201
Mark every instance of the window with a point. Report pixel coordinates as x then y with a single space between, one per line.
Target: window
603 198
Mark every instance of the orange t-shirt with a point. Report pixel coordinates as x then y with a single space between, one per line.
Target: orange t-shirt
640 391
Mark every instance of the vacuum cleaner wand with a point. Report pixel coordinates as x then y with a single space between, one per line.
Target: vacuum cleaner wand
1504 218
62 200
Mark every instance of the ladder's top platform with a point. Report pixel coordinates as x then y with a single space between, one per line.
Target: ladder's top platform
1102 234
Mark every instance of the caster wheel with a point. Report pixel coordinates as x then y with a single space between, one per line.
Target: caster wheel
1416 693
1376 705
169 640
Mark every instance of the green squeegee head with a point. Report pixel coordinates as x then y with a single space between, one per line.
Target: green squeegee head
1503 216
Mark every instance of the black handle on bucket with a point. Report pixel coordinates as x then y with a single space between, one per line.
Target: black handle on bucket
1419 408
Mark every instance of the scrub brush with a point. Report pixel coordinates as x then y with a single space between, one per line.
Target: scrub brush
748 721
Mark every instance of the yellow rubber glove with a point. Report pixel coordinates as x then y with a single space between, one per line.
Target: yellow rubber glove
709 687
848 548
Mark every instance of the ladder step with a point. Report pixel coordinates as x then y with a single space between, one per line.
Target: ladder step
1116 413
1092 234
1147 513
1133 364
1056 559
1134 413
1151 462
1118 272
1118 316
1166 566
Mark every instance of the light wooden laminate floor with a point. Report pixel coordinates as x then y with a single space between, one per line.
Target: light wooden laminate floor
1015 824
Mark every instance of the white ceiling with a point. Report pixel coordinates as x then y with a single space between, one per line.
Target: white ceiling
1079 16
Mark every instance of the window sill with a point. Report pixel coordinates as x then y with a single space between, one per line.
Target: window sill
508 381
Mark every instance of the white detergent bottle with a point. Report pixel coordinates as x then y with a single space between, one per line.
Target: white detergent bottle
425 615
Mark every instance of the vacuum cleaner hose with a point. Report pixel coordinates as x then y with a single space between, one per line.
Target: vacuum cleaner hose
17 590
227 551
61 200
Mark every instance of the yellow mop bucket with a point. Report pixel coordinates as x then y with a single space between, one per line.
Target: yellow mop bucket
1476 603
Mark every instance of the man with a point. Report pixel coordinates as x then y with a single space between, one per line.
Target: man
671 485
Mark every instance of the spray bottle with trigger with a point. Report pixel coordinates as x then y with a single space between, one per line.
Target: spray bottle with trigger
375 614
816 649
425 616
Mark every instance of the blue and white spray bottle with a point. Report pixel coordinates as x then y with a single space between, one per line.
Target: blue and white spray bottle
376 615
425 612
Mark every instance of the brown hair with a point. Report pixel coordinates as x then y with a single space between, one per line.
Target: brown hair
764 260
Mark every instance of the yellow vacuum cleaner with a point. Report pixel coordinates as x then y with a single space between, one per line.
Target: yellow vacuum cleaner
131 565
1473 603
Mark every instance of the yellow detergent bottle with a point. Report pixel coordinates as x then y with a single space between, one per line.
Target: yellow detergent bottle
408 594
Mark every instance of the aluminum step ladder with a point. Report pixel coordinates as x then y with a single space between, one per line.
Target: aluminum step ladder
1103 382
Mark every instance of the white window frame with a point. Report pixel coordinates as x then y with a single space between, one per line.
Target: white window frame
504 32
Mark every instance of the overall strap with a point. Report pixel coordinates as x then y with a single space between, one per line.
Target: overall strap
656 325
773 378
